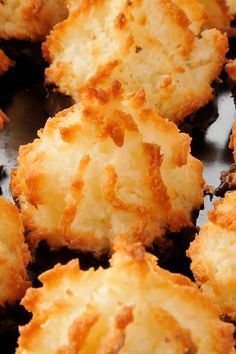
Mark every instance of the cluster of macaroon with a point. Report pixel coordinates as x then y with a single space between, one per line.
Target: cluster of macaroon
113 173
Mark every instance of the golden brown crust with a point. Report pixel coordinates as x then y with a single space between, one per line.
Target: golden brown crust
106 310
196 13
129 56
114 340
14 255
212 254
121 170
218 14
155 158
30 19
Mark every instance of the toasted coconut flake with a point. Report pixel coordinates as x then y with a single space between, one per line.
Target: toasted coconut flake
5 62
206 14
218 14
14 255
103 41
30 19
104 167
132 307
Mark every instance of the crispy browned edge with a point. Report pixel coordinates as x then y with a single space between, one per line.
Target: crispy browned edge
226 17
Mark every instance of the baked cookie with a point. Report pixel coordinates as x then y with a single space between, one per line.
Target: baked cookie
107 166
104 41
132 307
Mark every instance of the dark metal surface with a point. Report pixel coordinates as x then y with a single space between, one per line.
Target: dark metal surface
212 148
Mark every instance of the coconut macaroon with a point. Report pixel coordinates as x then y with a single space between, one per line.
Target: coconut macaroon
103 41
14 255
213 255
106 167
30 19
132 307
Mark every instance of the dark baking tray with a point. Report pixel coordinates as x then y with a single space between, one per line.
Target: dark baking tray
28 104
